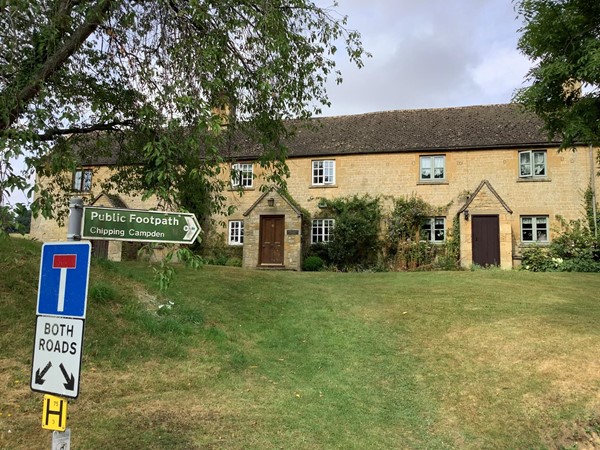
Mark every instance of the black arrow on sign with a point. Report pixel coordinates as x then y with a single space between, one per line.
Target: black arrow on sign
70 379
39 376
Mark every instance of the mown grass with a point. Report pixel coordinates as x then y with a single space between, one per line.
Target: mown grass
256 360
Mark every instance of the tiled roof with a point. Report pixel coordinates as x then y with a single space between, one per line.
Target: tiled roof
471 127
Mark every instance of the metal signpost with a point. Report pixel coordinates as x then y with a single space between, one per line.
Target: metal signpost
61 308
140 226
62 297
60 321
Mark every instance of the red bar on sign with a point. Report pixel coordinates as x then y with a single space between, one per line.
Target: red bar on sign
64 262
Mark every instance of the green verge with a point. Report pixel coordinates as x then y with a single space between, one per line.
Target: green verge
237 359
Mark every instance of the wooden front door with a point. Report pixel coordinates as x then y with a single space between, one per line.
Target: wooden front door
271 240
486 240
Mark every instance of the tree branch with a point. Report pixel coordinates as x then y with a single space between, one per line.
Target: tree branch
110 126
53 63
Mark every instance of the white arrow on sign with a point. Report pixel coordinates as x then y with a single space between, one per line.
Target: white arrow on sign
191 228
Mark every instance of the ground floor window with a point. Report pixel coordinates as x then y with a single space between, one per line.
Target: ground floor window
534 229
236 232
434 229
321 230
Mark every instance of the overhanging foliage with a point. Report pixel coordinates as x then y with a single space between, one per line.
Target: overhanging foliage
160 79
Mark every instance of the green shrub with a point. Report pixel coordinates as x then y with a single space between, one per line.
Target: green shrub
580 265
574 249
537 259
355 242
312 264
406 250
234 262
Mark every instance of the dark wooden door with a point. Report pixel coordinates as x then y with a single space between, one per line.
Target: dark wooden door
486 240
271 240
100 249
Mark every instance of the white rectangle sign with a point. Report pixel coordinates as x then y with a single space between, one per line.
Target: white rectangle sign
57 351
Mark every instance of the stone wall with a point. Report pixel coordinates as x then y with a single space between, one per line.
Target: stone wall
396 175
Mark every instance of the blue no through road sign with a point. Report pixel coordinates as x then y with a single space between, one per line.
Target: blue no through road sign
64 274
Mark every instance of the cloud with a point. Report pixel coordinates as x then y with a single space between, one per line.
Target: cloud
431 53
500 71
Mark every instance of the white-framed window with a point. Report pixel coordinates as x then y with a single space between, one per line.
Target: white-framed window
323 172
242 175
434 229
236 232
321 230
82 180
432 168
532 163
534 229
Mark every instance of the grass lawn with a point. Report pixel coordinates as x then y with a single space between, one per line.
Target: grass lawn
236 359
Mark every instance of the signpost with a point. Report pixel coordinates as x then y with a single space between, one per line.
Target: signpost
117 224
62 297
61 308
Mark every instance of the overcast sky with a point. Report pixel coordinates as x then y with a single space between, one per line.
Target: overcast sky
429 54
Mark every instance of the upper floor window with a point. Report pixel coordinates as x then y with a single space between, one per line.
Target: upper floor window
82 180
532 163
434 229
236 232
242 175
432 168
323 172
534 229
321 230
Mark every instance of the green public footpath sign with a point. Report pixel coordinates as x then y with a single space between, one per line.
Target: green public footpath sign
116 224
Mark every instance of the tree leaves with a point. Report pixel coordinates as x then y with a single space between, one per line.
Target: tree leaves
146 72
562 38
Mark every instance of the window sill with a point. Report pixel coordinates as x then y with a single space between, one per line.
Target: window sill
234 189
534 244
533 179
322 186
425 183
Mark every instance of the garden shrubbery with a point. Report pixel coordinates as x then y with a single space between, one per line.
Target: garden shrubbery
313 264
364 239
574 249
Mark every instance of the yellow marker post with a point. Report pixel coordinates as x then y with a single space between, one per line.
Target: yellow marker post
54 413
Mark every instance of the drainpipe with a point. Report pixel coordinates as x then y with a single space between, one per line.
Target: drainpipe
593 187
